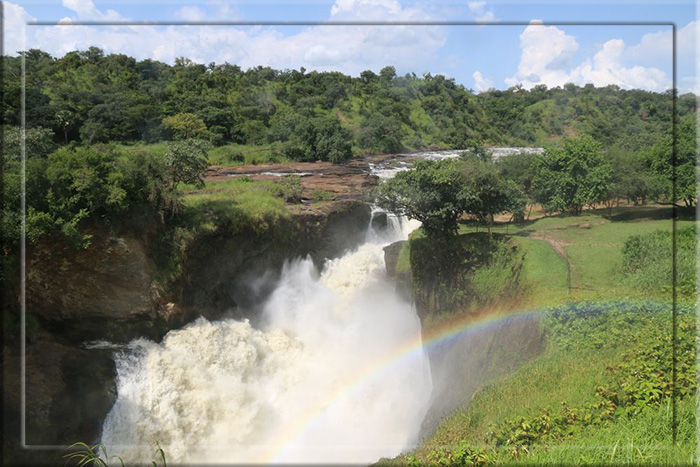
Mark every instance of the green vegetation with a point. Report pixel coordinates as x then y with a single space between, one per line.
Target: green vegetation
571 177
600 394
466 274
648 261
438 193
96 456
89 97
186 161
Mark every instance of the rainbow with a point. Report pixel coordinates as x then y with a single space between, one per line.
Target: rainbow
411 348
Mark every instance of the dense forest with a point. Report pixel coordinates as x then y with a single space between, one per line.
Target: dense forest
86 109
91 97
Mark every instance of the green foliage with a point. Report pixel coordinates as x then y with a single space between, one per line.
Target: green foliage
490 194
380 134
647 261
187 161
319 196
571 176
438 193
433 193
319 139
38 143
75 185
185 126
683 167
632 179
92 97
291 187
466 273
519 168
96 456
612 362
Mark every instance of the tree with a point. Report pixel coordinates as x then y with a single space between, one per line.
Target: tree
322 138
187 161
185 126
519 168
65 120
571 176
662 162
491 194
381 134
438 193
433 193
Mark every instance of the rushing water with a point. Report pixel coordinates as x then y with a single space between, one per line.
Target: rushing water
325 378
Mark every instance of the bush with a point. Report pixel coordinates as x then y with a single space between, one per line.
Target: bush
235 156
647 260
291 188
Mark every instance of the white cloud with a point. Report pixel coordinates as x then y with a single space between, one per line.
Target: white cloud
190 13
607 68
350 49
224 10
14 26
689 84
480 13
86 10
481 83
547 54
657 46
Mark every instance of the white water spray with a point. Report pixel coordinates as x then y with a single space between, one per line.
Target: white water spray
326 379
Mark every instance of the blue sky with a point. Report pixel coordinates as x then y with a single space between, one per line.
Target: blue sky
478 56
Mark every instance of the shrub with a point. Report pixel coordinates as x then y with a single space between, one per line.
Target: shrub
291 188
647 260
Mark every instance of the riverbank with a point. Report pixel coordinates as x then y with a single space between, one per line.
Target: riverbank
599 391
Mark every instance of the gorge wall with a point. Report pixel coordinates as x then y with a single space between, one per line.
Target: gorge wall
81 304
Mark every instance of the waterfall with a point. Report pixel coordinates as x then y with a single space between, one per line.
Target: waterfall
334 373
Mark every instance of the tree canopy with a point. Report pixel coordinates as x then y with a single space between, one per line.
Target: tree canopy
439 193
571 176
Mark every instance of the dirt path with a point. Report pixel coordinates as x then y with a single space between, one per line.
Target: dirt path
572 275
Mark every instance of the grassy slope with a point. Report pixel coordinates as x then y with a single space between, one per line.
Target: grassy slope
566 374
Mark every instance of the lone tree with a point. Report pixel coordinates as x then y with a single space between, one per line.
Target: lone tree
186 161
571 176
438 193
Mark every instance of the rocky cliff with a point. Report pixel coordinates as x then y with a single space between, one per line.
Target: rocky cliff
109 292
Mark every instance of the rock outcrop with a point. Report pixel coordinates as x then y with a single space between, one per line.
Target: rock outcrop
106 291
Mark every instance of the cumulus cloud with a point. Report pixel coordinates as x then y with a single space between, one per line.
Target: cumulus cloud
657 47
547 54
480 13
350 49
481 83
86 10
14 19
546 51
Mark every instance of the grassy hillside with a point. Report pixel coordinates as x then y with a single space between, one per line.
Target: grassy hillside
601 392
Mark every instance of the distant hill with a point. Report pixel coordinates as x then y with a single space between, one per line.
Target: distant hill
92 97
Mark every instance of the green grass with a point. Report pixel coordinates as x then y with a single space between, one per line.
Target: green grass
222 156
593 242
257 205
544 272
599 394
623 349
252 154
